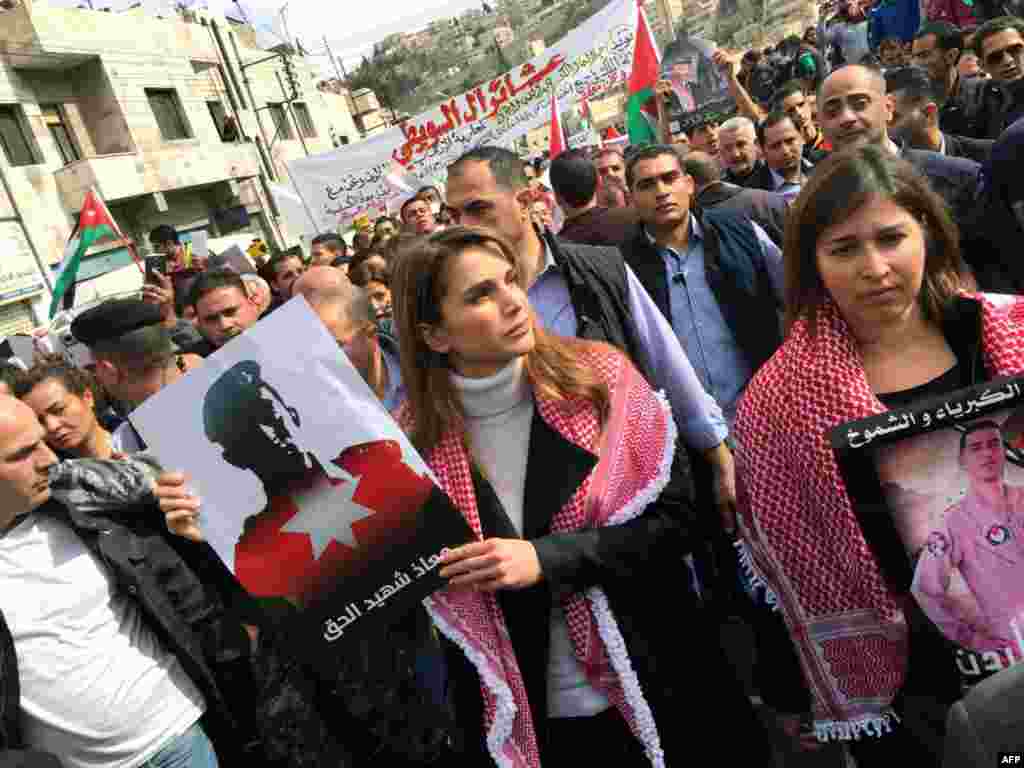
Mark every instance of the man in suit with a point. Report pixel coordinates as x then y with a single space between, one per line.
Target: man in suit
767 209
855 111
989 720
915 117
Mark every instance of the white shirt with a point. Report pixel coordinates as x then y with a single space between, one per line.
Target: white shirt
98 689
499 414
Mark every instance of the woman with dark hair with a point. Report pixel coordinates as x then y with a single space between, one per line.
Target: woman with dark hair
877 317
64 399
559 456
374 276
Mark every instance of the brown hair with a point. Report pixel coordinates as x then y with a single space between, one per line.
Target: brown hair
555 366
840 186
74 380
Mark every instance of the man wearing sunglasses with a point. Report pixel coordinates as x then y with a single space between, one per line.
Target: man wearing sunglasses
999 44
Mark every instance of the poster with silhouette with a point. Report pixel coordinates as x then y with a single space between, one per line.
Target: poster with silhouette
699 90
310 491
939 492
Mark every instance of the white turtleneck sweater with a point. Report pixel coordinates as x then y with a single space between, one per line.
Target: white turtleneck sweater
499 414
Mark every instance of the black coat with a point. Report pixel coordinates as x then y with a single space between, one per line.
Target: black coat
759 178
977 150
767 209
692 691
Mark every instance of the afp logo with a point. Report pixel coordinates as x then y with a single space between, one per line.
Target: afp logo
1011 758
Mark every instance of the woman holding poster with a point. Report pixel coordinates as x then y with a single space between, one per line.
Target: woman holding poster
878 318
559 456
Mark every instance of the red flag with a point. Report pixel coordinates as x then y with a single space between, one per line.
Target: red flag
642 80
556 142
611 133
323 530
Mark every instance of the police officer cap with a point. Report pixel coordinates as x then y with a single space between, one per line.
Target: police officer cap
113 319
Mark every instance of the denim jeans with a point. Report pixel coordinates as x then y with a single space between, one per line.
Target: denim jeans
190 750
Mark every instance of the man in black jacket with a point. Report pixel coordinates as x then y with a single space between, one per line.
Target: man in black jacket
741 155
767 209
855 110
915 117
129 657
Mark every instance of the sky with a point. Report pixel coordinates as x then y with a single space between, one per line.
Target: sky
351 26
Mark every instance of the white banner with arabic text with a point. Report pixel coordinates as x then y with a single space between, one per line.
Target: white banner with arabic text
592 58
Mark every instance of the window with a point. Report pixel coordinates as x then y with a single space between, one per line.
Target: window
282 128
305 121
53 116
169 116
14 136
225 125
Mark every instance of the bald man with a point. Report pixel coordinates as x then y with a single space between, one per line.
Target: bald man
854 110
109 673
348 315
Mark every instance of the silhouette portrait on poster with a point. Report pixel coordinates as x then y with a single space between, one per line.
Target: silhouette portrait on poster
332 509
949 478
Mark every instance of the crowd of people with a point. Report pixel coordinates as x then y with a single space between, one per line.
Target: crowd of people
622 367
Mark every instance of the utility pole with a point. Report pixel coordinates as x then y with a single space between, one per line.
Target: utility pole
339 66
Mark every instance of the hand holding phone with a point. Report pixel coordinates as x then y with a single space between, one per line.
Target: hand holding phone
157 263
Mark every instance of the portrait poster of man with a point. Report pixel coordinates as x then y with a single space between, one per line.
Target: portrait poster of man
939 492
310 491
698 87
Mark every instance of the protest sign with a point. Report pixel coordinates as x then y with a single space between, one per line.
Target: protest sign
938 489
699 90
592 58
310 491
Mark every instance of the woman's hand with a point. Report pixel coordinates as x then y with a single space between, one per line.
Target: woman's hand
491 565
180 507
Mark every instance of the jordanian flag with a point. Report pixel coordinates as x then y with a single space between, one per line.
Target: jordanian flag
642 109
94 224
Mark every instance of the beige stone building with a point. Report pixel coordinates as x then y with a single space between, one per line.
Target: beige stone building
159 116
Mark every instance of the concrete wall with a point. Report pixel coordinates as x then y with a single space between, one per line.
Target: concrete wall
97 66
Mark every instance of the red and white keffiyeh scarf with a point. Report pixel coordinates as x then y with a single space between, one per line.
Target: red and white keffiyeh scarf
635 458
801 538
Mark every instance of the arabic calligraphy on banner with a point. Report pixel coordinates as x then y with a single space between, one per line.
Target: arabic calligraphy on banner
592 58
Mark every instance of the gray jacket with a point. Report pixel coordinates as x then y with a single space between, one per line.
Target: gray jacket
987 721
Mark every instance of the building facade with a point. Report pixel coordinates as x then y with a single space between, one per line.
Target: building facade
171 121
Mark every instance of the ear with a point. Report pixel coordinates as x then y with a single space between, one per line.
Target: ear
524 197
88 399
436 338
890 108
931 111
105 371
953 56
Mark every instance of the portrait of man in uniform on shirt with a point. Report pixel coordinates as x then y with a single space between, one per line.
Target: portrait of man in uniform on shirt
958 500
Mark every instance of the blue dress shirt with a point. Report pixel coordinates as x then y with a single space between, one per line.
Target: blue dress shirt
697 415
698 322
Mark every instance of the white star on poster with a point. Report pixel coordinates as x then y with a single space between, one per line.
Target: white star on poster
327 513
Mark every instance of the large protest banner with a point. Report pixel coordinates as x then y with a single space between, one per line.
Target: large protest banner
311 493
592 58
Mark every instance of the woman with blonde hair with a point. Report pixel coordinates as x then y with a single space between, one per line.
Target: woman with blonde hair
559 456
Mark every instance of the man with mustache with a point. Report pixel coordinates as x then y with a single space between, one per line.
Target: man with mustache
223 309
